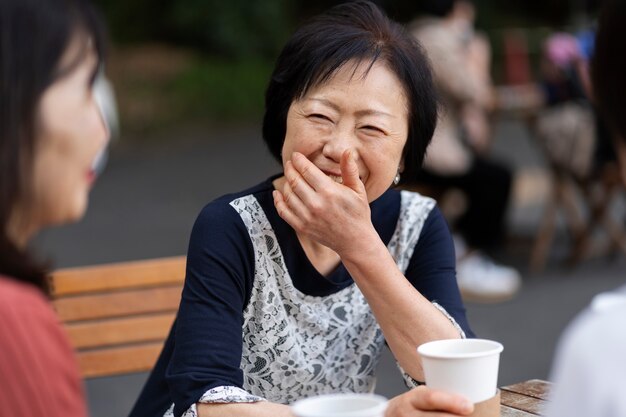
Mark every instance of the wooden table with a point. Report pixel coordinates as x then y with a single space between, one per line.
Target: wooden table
525 399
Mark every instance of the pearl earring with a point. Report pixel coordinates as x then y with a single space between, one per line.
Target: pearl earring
396 179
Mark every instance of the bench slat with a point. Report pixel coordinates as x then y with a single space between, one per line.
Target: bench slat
120 360
145 273
120 331
128 303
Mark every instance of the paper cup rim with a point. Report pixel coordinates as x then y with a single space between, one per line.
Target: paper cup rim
425 349
299 406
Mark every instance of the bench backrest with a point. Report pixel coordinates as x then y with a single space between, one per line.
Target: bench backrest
118 315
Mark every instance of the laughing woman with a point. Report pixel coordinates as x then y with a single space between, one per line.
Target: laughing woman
51 132
294 286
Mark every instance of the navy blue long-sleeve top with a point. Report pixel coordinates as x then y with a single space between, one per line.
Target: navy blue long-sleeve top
238 246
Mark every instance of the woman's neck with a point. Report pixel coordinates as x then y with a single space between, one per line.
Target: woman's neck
324 259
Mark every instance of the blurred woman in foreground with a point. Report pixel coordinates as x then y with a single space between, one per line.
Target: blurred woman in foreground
51 133
589 368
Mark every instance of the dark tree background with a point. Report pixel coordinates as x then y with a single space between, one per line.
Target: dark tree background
241 28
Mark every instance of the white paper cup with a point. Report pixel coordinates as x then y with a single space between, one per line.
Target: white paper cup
341 405
464 366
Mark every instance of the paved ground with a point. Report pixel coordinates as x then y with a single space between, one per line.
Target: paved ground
145 205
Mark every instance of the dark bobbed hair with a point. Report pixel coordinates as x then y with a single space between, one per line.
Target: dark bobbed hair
34 35
608 66
361 32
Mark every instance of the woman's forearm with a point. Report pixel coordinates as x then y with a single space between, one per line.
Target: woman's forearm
406 317
258 409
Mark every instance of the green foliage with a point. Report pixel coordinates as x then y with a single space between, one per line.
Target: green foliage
234 28
222 90
229 46
230 28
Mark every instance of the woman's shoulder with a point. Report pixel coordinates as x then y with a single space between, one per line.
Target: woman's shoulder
26 313
23 297
404 203
595 326
222 206
416 203
221 218
23 306
414 194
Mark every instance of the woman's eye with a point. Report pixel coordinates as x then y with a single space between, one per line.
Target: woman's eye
372 129
319 116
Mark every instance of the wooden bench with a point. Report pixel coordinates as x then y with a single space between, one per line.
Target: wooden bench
118 315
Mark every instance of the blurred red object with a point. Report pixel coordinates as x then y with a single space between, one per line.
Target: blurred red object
516 61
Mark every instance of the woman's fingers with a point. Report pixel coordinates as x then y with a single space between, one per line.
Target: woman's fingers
312 186
350 172
425 402
423 398
315 178
296 203
284 211
300 186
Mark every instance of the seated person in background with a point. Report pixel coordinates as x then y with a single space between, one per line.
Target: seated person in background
589 370
51 133
574 137
457 157
565 124
294 286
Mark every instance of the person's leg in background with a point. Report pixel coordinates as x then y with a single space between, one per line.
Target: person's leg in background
480 229
487 186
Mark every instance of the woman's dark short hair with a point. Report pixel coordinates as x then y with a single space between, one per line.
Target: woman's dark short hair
357 31
34 35
608 68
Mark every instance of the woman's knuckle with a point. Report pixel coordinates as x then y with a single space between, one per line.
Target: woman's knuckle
316 207
430 398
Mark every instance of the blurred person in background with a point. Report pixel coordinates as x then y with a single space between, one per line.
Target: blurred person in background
565 122
294 286
51 133
457 157
573 135
589 372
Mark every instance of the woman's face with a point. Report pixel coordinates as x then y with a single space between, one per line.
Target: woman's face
367 114
70 133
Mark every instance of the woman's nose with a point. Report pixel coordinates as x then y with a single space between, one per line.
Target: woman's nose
338 143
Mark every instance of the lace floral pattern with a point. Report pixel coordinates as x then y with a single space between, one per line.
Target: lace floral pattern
224 394
296 345
414 211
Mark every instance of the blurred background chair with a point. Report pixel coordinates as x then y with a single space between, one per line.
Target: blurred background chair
578 148
584 202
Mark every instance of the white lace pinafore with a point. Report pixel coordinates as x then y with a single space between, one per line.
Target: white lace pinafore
296 345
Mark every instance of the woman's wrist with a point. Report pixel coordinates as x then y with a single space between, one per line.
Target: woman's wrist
362 248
